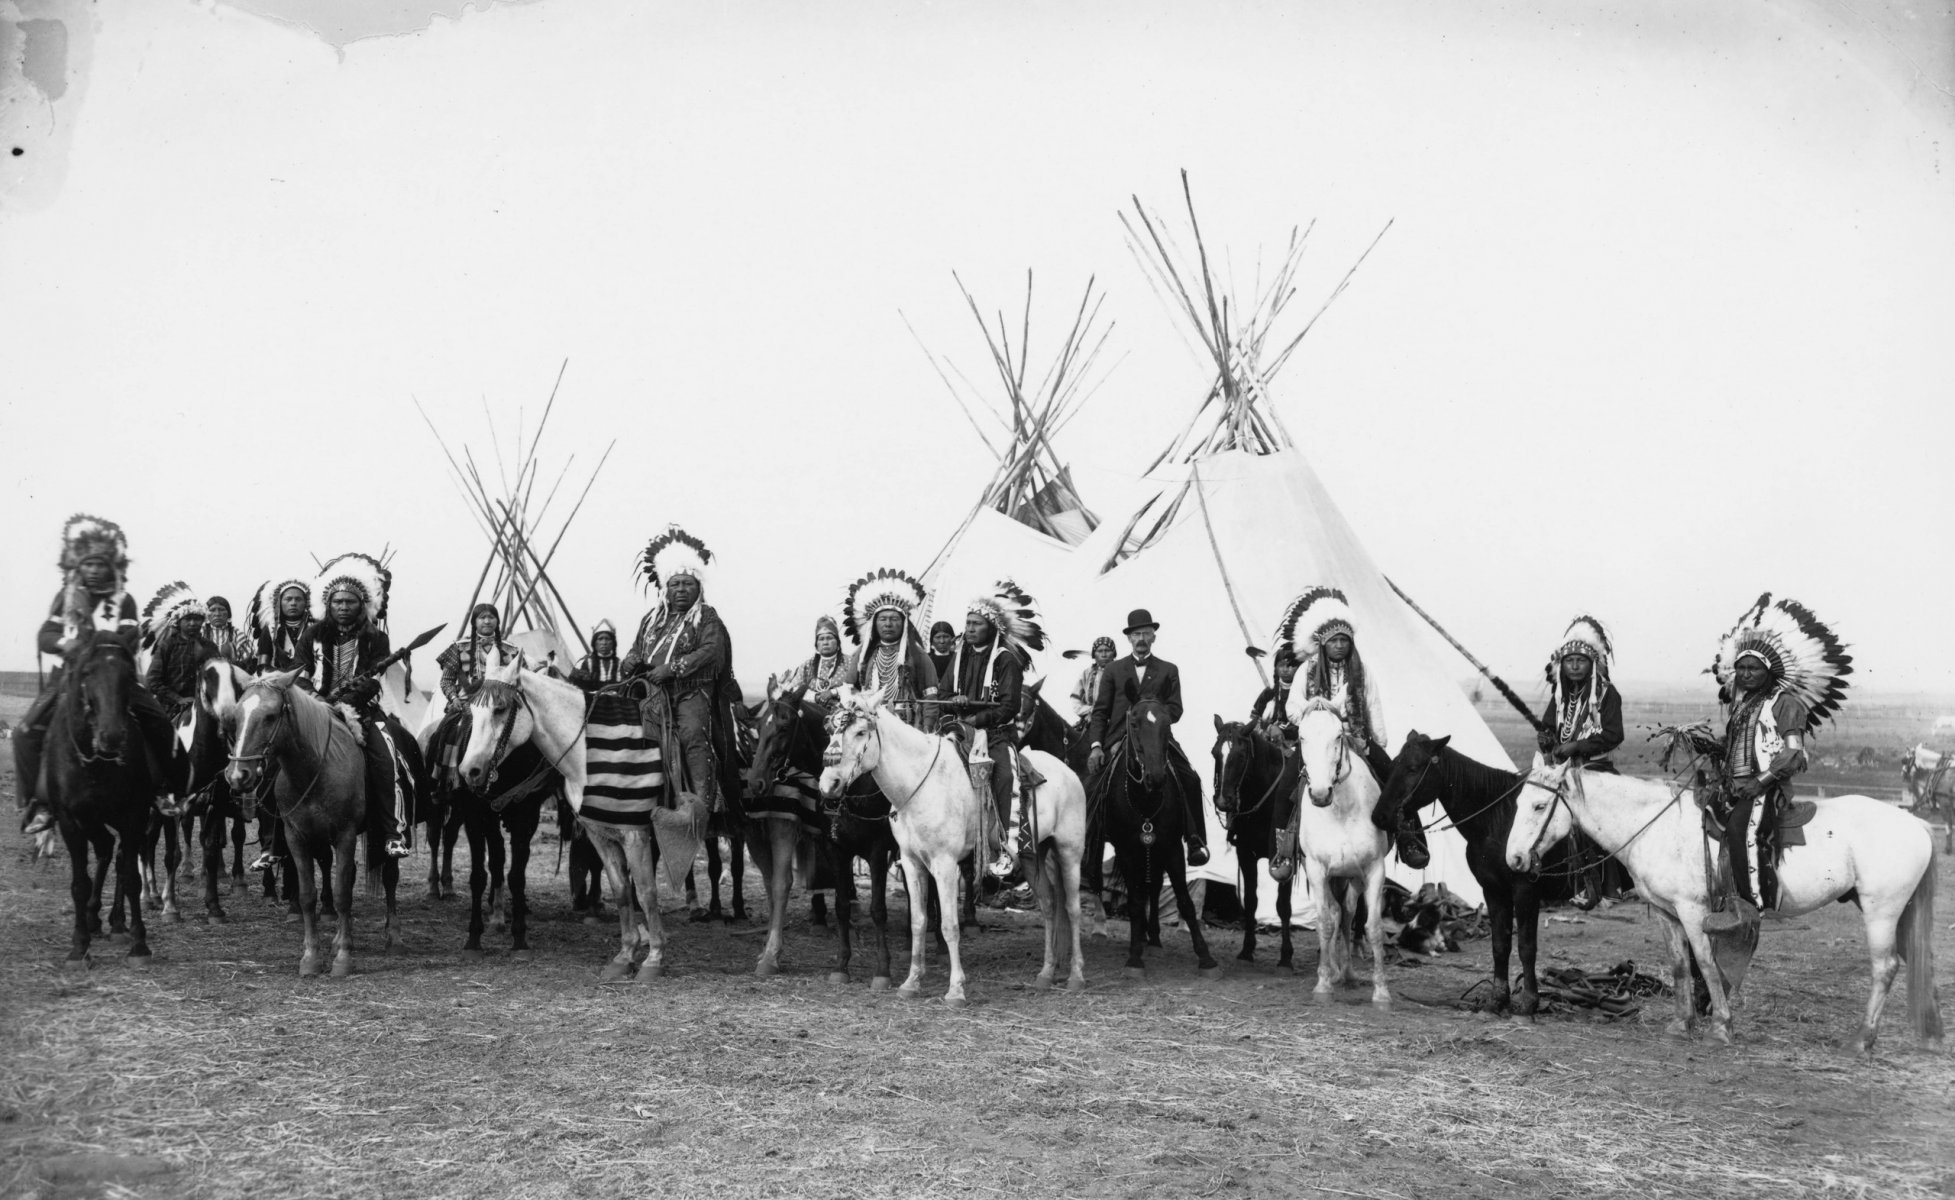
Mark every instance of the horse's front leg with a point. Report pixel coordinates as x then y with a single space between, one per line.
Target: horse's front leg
844 912
522 827
1527 916
1071 862
1500 927
1374 929
916 885
1680 975
879 915
173 854
1283 911
498 868
1039 874
127 871
611 854
1700 945
478 880
778 870
80 889
640 853
1246 872
736 844
945 870
213 847
345 862
1191 918
1330 932
307 897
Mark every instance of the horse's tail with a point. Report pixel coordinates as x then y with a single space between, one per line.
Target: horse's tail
1916 938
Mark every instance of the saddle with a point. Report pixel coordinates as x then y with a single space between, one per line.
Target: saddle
1725 820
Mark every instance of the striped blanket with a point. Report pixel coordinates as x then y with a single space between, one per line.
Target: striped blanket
624 769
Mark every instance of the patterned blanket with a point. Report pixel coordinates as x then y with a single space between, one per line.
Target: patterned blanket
624 769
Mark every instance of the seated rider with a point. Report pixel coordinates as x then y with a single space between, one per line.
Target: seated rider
1001 630
1321 631
1583 724
943 649
1088 687
601 666
877 616
94 565
824 671
684 650
1141 675
174 632
462 664
231 641
1271 712
344 645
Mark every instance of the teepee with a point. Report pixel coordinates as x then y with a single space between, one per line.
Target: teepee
1028 516
515 575
1230 522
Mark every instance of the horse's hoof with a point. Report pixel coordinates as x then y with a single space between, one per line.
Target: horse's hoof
955 1002
141 962
1382 1003
838 977
648 971
522 956
342 967
76 965
1677 1029
307 968
175 916
1042 983
1136 972
700 916
909 992
1323 995
1721 1034
472 953
218 918
764 968
1212 973
880 983
292 918
612 972
1246 956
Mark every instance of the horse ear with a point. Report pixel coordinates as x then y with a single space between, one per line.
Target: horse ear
1218 722
1439 743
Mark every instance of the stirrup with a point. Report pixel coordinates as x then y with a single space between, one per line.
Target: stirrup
267 861
1002 866
1197 853
398 848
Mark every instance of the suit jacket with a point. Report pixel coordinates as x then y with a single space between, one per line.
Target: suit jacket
1110 707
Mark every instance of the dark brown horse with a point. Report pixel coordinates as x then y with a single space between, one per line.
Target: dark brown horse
1252 775
1141 790
98 787
512 801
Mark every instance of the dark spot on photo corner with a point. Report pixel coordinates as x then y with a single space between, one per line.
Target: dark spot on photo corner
18 151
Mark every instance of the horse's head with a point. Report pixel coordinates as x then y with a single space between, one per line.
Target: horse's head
1234 753
102 676
499 720
264 713
1411 785
1541 816
776 722
220 685
1028 708
854 744
1147 741
1323 749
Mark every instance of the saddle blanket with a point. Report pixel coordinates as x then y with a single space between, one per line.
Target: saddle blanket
795 794
624 770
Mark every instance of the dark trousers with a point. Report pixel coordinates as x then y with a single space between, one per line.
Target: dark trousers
692 728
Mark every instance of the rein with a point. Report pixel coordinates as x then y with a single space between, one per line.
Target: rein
1276 781
280 726
1674 801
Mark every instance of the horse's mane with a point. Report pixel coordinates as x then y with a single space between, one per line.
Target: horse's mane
314 721
494 693
1470 773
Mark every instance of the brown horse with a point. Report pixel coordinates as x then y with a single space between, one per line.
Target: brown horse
319 793
97 784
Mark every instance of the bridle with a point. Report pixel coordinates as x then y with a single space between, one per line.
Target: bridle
78 671
278 727
832 756
1249 738
1342 771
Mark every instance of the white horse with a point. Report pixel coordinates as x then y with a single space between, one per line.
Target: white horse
516 706
1337 840
1857 848
935 815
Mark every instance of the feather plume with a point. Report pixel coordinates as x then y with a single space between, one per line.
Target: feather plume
674 552
171 603
1803 657
885 587
85 536
364 574
1311 618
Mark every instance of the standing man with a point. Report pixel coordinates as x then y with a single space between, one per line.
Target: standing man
682 647
343 646
1001 629
1780 672
1143 676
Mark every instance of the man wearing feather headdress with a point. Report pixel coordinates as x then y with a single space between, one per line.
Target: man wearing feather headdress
93 599
1583 724
173 631
1001 630
280 617
877 616
683 648
1780 672
1320 631
342 648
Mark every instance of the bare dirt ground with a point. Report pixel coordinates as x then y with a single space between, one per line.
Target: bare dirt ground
217 1072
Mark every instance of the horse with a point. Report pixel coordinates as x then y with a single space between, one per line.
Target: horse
611 777
1479 802
511 798
1337 840
1856 848
1251 771
1930 785
310 757
97 785
783 788
1144 819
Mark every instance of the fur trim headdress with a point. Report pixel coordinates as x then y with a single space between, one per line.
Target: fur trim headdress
171 603
361 574
1801 655
1311 619
1013 614
262 613
84 537
883 588
674 552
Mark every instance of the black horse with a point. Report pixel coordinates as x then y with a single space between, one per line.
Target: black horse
512 801
1142 791
98 788
791 738
1252 777
1479 802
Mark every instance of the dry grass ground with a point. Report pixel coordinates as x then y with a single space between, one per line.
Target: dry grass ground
218 1072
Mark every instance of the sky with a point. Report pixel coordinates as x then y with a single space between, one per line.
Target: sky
1660 322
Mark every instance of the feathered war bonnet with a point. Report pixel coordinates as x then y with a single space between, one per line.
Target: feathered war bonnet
1312 619
1589 638
84 537
1014 615
883 588
262 613
171 603
360 574
672 553
1801 656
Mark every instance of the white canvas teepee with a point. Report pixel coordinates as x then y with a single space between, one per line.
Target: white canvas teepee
1029 516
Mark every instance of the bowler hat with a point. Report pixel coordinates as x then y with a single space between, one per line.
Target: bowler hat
1140 618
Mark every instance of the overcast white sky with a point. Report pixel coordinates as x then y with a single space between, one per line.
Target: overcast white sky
1662 322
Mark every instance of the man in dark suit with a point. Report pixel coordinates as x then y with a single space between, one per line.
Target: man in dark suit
1141 676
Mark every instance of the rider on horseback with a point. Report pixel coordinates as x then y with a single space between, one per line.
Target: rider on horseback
1320 630
280 617
1271 712
683 648
601 665
232 641
1088 688
892 659
943 649
461 666
173 632
1779 672
338 654
1140 676
1583 723
988 673
821 673
94 564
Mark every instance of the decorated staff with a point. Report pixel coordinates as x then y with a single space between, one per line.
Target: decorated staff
878 617
683 648
1780 672
340 658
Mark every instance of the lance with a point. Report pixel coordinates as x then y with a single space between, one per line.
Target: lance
400 655
1499 684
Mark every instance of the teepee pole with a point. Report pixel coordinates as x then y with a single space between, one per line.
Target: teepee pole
1499 684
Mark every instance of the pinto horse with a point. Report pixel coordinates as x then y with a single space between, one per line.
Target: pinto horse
1856 848
1479 801
1252 772
784 777
1145 820
97 785
310 757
